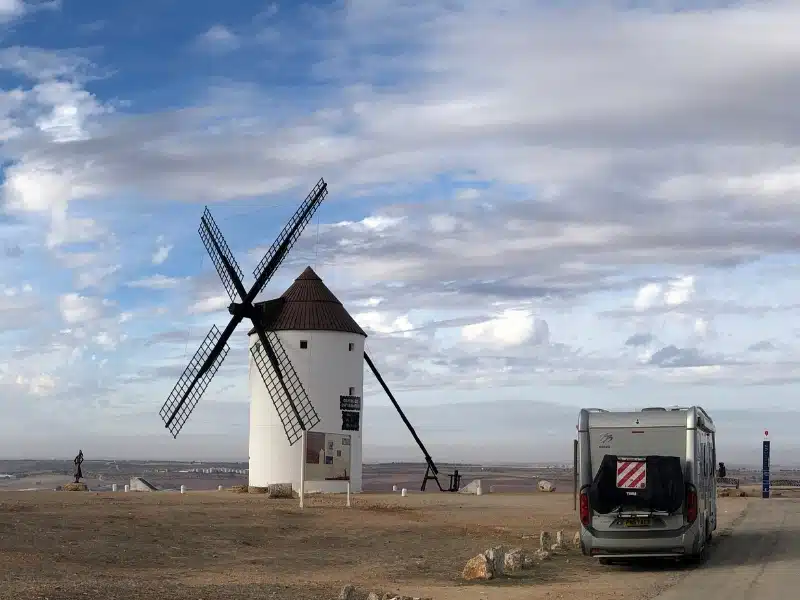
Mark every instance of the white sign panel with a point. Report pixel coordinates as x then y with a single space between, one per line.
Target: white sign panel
327 456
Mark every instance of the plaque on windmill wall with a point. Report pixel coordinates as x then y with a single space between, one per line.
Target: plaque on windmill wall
350 420
350 402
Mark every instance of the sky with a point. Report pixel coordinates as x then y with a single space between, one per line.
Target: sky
533 207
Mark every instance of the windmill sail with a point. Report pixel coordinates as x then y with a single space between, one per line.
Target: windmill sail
193 382
222 257
284 387
286 239
291 400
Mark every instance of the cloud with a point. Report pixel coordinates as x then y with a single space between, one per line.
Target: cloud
79 309
162 253
762 346
209 305
672 357
673 293
218 38
640 339
156 282
511 328
14 9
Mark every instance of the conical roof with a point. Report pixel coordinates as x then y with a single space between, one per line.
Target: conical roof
307 305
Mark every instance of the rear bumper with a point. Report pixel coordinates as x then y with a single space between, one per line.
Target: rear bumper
656 544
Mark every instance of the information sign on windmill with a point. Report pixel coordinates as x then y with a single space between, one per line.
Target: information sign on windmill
303 345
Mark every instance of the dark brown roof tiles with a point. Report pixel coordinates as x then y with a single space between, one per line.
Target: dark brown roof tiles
307 305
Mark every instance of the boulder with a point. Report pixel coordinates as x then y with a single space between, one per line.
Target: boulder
347 592
280 490
75 487
513 561
576 540
478 568
497 557
528 562
546 486
541 555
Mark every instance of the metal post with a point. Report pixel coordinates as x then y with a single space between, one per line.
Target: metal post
348 494
303 446
765 469
575 474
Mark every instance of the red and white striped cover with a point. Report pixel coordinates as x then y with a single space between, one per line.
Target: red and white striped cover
631 474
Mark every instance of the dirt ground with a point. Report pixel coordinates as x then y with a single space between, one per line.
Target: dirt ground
70 545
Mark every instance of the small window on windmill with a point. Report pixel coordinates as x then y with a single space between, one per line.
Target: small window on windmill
303 344
350 346
351 391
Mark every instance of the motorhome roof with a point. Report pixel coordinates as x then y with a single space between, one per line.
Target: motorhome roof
689 417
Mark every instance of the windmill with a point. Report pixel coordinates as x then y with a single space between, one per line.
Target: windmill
285 388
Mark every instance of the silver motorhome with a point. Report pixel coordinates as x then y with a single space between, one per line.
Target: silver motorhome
628 512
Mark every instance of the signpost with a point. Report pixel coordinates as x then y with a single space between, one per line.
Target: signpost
325 457
765 468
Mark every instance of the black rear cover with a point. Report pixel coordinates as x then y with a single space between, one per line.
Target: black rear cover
664 490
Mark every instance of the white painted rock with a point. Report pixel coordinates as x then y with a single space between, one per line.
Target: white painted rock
471 487
546 486
559 546
545 541
347 592
576 540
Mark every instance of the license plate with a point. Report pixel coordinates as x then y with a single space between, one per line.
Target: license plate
637 522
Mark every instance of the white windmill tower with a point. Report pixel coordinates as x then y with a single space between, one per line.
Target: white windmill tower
326 347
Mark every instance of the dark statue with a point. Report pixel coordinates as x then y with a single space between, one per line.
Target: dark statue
77 462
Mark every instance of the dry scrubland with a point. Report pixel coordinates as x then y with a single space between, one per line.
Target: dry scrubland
70 545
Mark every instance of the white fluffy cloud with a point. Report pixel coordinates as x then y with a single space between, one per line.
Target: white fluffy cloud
671 294
511 328
162 252
79 309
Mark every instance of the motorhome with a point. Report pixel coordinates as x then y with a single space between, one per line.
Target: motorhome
646 483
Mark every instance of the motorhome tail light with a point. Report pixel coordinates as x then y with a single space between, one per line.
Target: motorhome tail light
586 511
691 503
